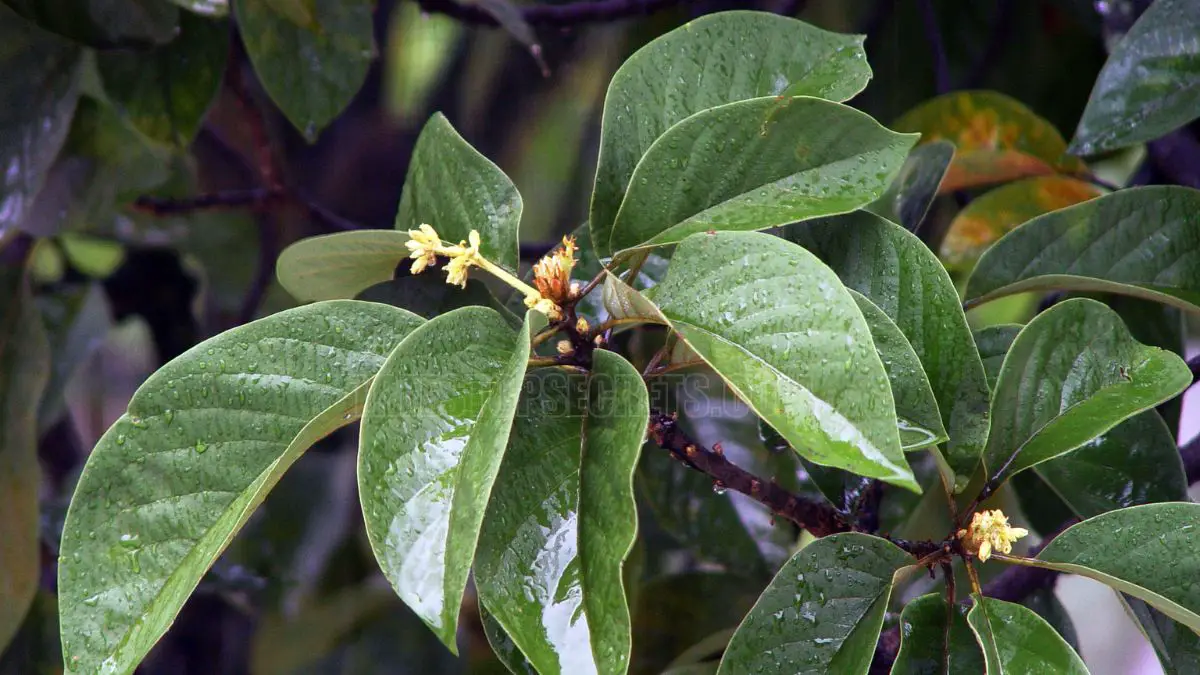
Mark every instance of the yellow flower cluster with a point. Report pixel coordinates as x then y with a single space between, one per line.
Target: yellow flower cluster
989 531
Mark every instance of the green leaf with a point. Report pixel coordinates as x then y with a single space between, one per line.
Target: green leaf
823 611
755 164
730 56
165 93
103 24
917 414
502 644
910 195
455 189
929 647
433 434
1178 648
429 295
993 343
24 365
204 440
1145 551
562 519
1134 463
1015 640
841 488
340 265
310 72
1073 373
1140 241
37 100
1149 85
1045 604
77 320
788 338
897 272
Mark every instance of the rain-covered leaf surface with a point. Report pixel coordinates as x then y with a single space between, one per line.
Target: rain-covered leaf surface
927 648
434 429
1016 641
756 164
730 56
483 198
1071 374
204 440
1142 241
823 611
898 273
779 327
993 343
342 264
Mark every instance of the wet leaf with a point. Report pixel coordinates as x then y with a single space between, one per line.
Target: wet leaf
917 414
993 343
1140 241
1016 640
1072 373
756 164
38 95
823 611
483 198
103 24
1149 85
429 295
779 327
996 138
342 264
204 440
1145 551
927 648
994 214
310 72
910 195
165 93
897 272
562 519
731 56
502 644
433 434
24 365
1177 647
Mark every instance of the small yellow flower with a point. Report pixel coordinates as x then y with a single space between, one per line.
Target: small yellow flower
423 244
552 274
544 305
989 531
581 326
564 347
462 258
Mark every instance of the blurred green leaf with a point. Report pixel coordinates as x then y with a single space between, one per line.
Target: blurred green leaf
731 56
77 321
311 72
103 23
434 431
929 647
92 256
284 643
1139 241
1016 640
677 611
171 482
1149 86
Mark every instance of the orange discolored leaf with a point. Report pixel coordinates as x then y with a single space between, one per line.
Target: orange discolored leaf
996 138
994 214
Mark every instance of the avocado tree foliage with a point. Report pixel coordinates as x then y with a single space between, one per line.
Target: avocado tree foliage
755 231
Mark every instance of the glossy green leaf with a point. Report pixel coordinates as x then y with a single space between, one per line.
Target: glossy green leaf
1072 373
730 56
993 343
927 647
165 93
77 320
342 264
552 575
433 434
755 164
1141 242
204 440
482 198
37 100
1145 551
1149 86
1134 463
897 272
823 611
1177 647
502 644
841 488
783 332
312 72
908 198
24 368
103 24
429 295
1016 641
917 414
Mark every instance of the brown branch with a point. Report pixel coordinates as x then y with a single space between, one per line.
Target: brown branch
560 16
817 517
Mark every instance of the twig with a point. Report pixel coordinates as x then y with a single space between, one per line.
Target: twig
553 15
941 65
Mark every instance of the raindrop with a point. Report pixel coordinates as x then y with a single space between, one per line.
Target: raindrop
130 541
138 422
200 447
719 487
120 439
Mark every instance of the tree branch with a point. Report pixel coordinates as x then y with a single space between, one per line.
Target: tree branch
561 16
